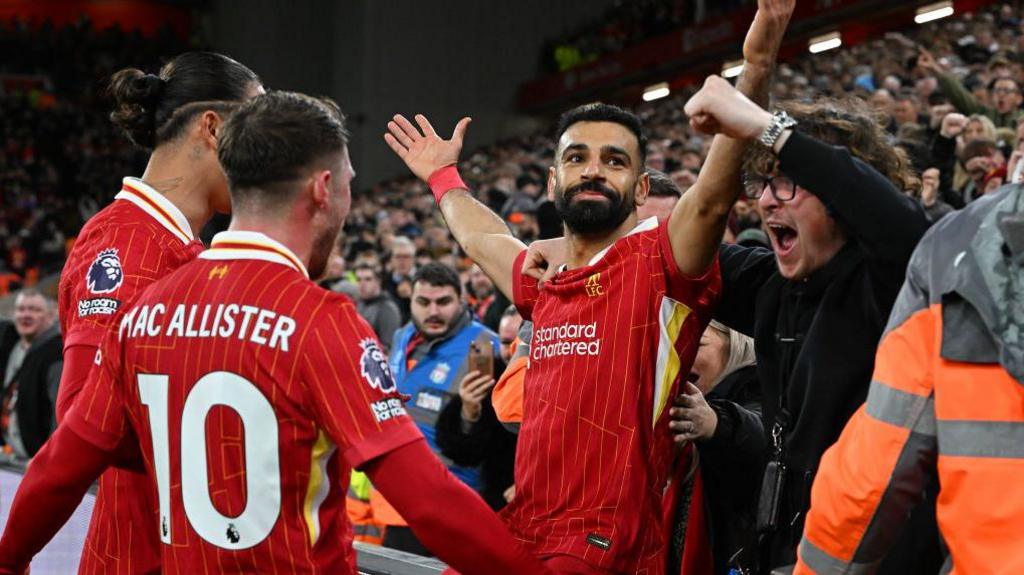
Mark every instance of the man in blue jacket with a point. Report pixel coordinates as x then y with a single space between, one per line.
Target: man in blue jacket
431 357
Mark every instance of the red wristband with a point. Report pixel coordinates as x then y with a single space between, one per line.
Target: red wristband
445 179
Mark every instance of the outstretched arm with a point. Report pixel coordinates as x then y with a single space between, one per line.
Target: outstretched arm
52 488
474 541
698 221
483 235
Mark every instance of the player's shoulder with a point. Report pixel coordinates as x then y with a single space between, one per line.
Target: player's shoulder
323 303
314 305
331 320
642 237
121 226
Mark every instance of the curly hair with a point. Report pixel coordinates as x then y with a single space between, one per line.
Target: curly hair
847 122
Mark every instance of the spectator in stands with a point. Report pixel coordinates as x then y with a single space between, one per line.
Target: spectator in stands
31 352
905 109
931 200
469 434
430 358
979 127
1004 92
486 303
662 197
944 157
400 271
720 412
980 158
336 278
842 231
376 306
508 330
525 197
945 406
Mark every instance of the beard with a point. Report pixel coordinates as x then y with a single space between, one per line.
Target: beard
322 248
593 216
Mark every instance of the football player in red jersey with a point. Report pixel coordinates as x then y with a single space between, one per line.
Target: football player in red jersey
148 231
253 393
613 330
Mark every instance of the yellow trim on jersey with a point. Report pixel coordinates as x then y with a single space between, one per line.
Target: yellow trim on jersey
671 318
156 206
319 485
251 245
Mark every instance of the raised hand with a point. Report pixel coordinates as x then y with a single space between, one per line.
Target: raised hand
422 150
544 257
720 108
953 125
766 31
927 62
472 390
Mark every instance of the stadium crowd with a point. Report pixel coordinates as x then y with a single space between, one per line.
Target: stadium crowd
949 94
624 24
61 154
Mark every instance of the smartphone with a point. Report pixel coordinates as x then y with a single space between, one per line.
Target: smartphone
481 357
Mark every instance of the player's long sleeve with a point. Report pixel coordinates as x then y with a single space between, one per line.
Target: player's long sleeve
78 362
874 475
452 521
52 488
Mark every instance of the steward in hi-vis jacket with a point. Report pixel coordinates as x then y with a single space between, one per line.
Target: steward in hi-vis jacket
947 399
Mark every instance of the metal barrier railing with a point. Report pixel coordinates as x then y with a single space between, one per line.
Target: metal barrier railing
61 555
374 560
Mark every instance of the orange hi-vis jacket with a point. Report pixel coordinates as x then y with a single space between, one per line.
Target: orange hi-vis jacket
947 399
507 395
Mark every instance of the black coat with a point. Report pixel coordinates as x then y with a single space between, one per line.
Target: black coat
37 380
815 339
488 444
731 463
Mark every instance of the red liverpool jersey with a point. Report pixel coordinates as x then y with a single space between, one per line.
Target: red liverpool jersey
610 341
131 243
252 393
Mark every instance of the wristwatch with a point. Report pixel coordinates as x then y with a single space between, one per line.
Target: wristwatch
781 121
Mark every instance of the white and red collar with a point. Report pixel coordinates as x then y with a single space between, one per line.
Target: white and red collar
239 245
647 225
157 206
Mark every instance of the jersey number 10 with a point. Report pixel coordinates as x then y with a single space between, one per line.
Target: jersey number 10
262 473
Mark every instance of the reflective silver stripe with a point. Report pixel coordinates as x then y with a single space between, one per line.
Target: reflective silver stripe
821 562
981 438
906 410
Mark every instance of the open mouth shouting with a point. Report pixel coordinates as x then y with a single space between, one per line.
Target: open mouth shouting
784 238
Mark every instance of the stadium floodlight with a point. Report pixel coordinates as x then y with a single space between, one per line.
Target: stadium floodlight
732 68
656 91
828 41
934 12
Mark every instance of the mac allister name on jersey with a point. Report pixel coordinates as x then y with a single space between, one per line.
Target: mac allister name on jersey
243 322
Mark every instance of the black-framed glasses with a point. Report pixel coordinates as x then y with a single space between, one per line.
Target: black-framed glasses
783 189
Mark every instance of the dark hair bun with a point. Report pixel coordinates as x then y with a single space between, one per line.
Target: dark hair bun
136 96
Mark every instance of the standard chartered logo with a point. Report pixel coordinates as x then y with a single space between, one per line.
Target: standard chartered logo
565 339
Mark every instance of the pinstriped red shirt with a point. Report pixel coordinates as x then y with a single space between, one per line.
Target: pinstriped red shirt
610 342
139 238
252 393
